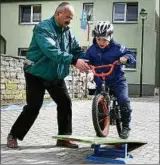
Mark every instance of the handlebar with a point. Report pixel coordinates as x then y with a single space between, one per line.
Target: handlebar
104 75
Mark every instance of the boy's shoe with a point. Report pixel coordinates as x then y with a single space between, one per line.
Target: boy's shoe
12 141
125 133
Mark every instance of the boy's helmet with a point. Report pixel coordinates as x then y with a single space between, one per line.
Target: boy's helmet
103 29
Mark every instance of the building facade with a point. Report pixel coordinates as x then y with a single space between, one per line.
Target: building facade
19 17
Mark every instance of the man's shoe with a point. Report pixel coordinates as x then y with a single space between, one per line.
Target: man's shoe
125 133
12 141
67 144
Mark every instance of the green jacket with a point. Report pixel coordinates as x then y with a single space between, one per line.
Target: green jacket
52 50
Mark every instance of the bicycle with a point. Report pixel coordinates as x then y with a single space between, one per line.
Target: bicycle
105 108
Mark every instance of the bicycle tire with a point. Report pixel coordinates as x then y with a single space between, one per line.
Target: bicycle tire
118 121
100 116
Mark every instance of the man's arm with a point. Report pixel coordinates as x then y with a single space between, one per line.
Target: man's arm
78 55
76 50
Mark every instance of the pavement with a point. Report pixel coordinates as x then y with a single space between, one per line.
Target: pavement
38 147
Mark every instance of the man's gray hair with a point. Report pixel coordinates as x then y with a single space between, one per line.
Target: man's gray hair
62 6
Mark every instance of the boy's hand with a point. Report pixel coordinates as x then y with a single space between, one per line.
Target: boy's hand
82 65
123 60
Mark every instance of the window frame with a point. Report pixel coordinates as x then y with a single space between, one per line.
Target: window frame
20 51
31 19
91 4
125 21
134 50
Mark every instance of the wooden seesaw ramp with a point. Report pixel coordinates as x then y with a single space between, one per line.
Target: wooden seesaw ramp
117 154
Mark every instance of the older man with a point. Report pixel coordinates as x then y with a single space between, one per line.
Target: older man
52 50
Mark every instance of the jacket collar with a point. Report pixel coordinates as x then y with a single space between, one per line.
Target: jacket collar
104 49
57 26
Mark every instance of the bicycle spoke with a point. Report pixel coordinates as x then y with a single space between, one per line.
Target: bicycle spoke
101 121
100 114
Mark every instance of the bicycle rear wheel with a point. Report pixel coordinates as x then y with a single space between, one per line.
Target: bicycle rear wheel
118 121
100 115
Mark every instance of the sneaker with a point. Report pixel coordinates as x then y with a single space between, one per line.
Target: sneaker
125 133
12 141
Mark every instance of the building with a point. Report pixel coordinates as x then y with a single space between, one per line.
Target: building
18 18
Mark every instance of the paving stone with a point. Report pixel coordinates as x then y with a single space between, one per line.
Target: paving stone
39 147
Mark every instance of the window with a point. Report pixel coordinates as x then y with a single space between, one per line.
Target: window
125 12
132 66
22 51
3 45
30 14
88 7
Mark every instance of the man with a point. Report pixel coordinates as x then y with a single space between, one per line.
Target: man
52 50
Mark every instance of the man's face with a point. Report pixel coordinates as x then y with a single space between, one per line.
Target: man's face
65 16
102 42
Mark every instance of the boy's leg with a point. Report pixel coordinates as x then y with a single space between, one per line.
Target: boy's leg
34 97
121 92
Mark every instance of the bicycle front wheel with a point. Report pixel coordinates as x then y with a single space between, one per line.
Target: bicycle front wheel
100 115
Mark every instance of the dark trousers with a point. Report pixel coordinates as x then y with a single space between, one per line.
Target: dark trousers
121 92
35 90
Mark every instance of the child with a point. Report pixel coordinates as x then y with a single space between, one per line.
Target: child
105 50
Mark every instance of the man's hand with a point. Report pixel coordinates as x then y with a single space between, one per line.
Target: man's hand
82 65
123 60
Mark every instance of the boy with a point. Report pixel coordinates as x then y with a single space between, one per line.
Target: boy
105 50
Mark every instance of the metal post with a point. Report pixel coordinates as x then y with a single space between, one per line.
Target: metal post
141 71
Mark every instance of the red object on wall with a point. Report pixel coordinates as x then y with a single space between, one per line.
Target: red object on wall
88 32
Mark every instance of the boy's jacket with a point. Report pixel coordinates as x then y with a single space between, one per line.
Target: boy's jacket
113 52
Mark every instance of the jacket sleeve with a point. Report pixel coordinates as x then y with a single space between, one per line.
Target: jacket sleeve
76 50
48 46
87 55
128 54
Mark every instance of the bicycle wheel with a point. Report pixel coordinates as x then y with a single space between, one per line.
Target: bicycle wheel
100 115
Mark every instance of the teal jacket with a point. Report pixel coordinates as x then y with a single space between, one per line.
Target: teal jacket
52 50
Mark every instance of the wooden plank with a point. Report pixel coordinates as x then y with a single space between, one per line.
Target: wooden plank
132 143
